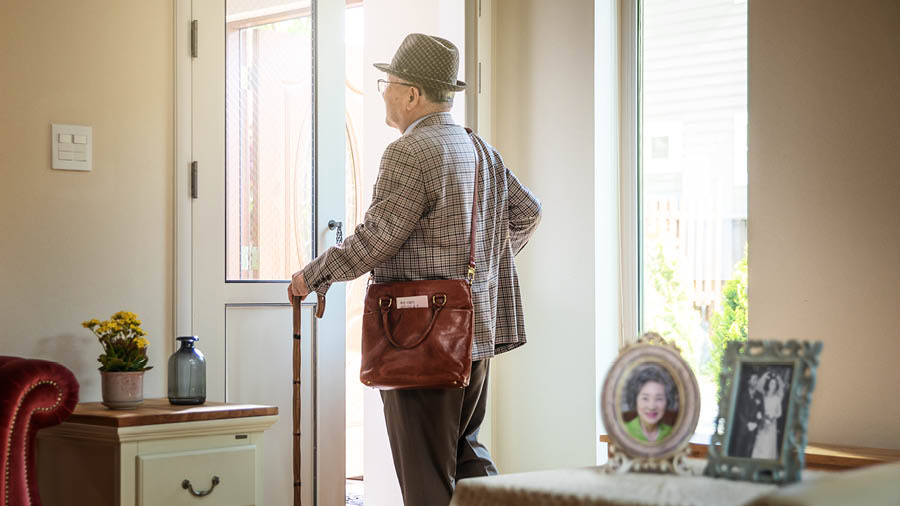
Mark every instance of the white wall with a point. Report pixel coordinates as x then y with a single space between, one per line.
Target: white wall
824 180
79 245
545 393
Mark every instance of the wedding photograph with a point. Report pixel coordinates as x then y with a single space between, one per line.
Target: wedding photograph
760 411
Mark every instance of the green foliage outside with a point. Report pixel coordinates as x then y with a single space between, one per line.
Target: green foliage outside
730 322
674 316
676 319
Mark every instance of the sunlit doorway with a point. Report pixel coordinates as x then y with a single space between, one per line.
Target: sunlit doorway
374 30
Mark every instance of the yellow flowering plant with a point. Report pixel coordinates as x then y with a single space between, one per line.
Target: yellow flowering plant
123 342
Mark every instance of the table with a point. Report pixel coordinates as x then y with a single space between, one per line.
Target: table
822 456
142 457
592 486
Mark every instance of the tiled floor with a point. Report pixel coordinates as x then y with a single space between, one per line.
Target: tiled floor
355 493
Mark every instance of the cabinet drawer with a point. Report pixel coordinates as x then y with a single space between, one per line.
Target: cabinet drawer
160 477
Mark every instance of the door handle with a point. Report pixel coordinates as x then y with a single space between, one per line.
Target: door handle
339 238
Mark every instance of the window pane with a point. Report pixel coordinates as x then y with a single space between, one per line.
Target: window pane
268 139
694 179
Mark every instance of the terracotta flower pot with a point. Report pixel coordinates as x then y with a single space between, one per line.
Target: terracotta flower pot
122 390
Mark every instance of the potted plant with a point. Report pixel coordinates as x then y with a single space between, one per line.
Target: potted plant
123 361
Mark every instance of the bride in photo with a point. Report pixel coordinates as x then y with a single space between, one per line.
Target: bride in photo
766 444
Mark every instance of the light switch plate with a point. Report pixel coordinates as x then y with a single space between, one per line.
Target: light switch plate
68 155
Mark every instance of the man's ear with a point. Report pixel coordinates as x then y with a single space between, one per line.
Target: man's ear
414 97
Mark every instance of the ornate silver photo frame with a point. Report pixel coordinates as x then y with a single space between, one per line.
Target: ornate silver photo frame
650 406
765 389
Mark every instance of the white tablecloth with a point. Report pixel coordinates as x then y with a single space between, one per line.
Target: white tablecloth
592 486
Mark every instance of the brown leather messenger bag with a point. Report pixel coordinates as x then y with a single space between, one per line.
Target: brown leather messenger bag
418 334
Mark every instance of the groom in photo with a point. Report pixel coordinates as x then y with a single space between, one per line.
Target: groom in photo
747 420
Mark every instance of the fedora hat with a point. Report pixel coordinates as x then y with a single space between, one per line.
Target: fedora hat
426 60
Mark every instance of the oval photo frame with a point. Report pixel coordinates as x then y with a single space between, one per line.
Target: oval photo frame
650 360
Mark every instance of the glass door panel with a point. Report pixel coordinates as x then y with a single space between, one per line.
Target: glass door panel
268 110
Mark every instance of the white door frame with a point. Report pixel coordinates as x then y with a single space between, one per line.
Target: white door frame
183 222
328 167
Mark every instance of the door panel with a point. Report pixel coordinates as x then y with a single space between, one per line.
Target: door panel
259 372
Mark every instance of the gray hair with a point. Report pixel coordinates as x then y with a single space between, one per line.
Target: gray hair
437 95
645 374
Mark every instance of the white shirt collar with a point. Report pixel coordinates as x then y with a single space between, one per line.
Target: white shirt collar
416 122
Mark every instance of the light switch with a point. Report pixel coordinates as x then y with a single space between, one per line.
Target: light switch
71 147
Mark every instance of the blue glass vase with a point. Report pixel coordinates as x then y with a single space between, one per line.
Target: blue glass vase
187 373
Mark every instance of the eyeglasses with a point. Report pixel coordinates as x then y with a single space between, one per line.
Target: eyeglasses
383 84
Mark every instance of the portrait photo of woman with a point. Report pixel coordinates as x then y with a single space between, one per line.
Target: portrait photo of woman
650 403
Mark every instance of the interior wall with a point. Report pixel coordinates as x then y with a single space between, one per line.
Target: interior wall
824 182
544 393
81 245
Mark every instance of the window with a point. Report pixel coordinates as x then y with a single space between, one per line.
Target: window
692 179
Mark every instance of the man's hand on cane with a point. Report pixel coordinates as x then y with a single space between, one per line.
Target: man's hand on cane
297 287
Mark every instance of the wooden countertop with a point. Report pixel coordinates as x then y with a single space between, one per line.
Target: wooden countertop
819 455
157 411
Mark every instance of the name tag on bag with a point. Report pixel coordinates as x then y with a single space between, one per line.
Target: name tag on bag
412 302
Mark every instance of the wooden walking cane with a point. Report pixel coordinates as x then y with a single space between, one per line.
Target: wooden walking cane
320 310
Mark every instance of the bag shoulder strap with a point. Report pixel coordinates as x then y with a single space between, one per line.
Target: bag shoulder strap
477 143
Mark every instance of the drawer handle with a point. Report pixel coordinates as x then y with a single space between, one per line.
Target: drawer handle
187 484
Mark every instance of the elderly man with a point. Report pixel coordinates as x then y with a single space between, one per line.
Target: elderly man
418 228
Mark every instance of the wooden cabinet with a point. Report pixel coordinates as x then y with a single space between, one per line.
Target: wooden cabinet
155 455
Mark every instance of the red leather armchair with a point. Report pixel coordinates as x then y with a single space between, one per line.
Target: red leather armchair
33 394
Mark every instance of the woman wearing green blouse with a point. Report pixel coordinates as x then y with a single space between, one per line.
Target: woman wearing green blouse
651 392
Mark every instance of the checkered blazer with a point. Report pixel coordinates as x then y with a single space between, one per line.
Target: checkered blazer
418 228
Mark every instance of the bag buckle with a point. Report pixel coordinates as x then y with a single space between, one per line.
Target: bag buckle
434 299
471 275
381 301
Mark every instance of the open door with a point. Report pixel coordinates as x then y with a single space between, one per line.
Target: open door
263 143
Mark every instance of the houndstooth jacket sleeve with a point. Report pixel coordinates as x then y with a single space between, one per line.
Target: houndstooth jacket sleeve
417 227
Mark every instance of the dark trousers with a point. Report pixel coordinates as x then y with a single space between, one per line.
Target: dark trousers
434 438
